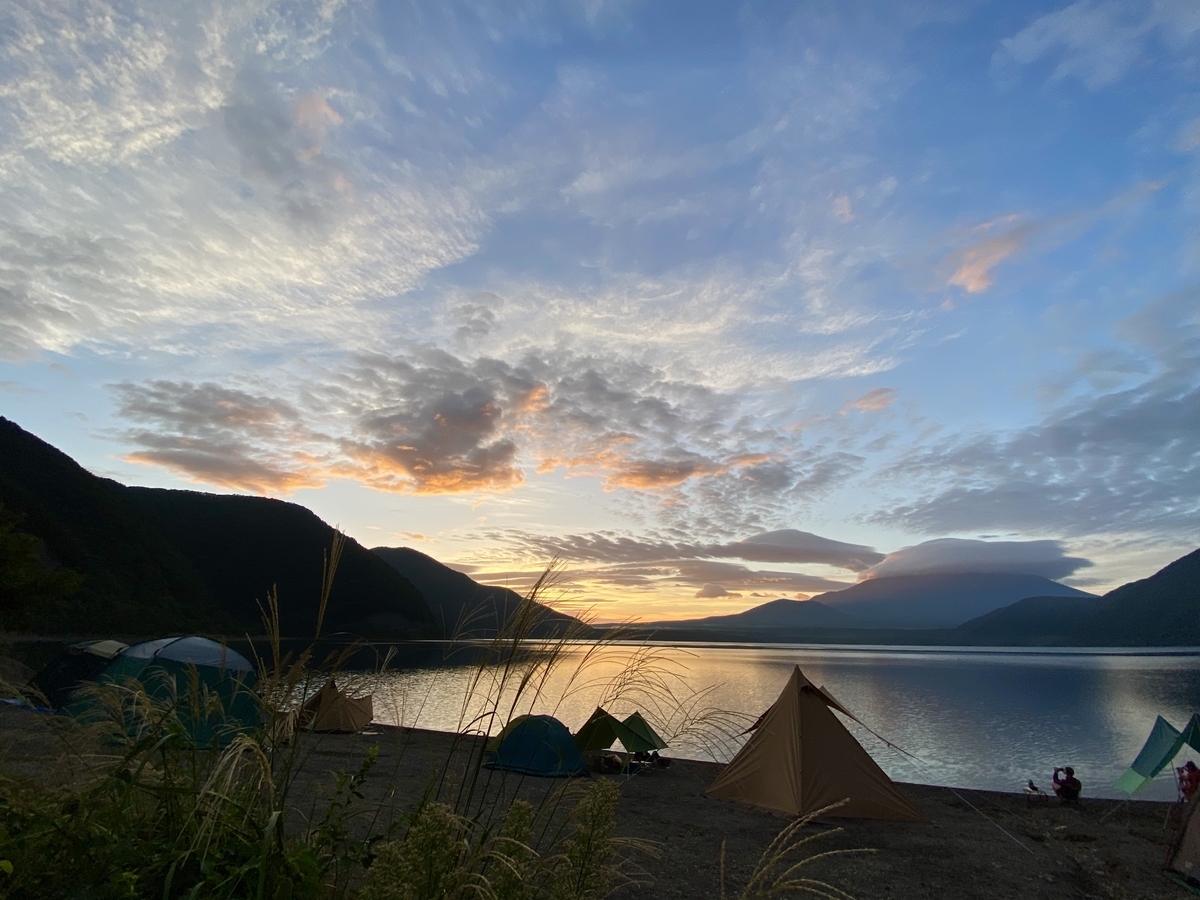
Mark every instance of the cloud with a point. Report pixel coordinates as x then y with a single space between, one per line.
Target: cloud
217 435
282 148
789 545
1098 43
1124 460
973 265
956 555
783 546
180 179
424 420
873 400
710 591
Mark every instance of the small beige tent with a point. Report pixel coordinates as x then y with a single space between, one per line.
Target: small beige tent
1184 856
329 710
800 759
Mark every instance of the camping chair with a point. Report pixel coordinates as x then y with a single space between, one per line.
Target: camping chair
1033 793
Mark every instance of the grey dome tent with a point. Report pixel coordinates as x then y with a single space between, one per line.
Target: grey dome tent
213 704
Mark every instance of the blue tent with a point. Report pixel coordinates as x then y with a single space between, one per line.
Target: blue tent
536 745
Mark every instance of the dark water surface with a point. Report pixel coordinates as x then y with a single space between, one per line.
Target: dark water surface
973 718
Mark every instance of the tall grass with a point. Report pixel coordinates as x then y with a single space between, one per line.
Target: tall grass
135 809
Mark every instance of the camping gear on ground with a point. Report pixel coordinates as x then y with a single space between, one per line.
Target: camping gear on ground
1183 857
800 758
81 662
209 686
536 745
1164 742
331 712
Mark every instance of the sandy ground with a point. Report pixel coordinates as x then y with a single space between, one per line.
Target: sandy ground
1099 849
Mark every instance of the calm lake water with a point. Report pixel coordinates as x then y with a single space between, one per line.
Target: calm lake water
973 718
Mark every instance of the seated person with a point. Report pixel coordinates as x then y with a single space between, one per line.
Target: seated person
1067 789
1189 779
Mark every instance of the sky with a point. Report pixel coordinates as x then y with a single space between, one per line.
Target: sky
712 302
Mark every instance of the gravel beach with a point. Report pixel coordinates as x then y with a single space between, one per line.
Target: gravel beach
976 844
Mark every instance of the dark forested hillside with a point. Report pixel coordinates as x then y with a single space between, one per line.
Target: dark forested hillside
1162 610
241 546
462 606
129 578
101 558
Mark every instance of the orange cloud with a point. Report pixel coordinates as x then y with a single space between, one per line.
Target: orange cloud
974 265
239 474
872 401
622 469
404 470
314 113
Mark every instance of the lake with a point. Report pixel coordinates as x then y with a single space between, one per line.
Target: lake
972 718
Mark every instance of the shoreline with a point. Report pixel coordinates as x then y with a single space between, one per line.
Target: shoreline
974 844
691 639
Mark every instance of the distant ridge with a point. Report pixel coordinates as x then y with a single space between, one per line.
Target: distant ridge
940 600
1162 610
781 613
460 605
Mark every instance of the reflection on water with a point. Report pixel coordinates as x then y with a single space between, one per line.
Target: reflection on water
982 719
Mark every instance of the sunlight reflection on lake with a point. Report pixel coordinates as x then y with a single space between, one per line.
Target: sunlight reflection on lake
974 718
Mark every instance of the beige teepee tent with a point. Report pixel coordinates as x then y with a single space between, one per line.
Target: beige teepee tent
1184 856
329 710
800 759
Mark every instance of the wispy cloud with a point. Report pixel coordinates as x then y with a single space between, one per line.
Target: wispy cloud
1123 460
1098 42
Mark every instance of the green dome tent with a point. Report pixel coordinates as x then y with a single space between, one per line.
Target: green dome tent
1164 742
646 738
602 728
210 685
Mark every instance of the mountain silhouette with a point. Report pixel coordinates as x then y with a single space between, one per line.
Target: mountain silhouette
775 614
940 600
461 606
153 561
1162 610
242 546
